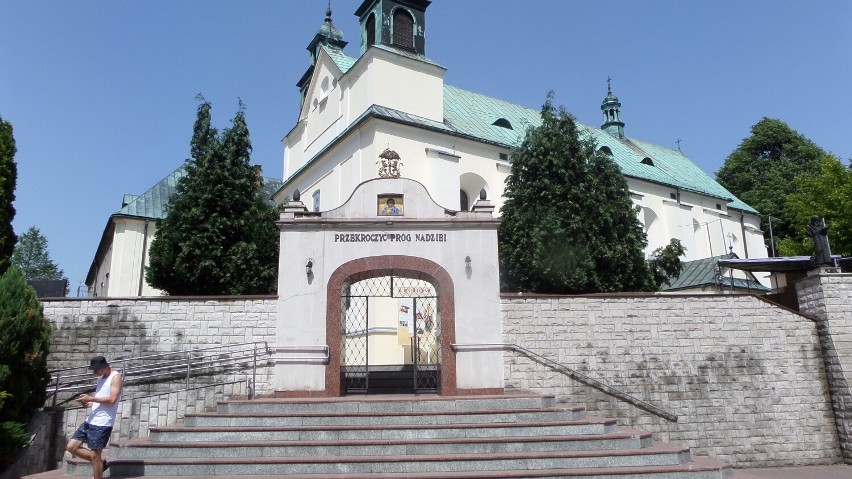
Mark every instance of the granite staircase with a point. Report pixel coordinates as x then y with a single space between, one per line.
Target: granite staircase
511 436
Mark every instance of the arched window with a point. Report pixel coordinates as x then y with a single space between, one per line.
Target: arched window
403 29
606 150
371 30
464 203
647 161
316 198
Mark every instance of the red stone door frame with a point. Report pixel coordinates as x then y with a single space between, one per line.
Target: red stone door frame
393 265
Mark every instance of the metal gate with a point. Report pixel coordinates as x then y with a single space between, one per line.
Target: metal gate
379 318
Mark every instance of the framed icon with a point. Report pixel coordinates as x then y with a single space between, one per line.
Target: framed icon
389 205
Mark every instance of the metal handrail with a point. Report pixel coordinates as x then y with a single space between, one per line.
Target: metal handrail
589 381
174 364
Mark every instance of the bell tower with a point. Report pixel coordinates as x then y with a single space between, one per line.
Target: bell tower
399 24
611 109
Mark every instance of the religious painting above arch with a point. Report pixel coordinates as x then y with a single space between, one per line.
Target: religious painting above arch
390 205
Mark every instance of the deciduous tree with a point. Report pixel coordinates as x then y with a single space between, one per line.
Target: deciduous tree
568 224
32 257
8 180
219 235
828 194
762 172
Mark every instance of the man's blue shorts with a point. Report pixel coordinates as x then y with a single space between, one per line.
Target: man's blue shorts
95 437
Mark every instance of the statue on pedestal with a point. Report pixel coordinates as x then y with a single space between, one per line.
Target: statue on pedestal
818 232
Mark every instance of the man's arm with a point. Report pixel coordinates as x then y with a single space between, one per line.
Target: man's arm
114 393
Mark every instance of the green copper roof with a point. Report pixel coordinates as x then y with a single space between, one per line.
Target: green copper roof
152 203
475 114
704 272
342 61
345 62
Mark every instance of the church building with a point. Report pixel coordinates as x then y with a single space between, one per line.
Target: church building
455 142
458 143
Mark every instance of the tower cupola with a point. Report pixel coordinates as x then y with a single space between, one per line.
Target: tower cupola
611 109
327 34
394 23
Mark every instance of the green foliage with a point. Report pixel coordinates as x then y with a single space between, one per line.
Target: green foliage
665 262
24 345
827 194
219 236
568 225
32 257
762 172
8 181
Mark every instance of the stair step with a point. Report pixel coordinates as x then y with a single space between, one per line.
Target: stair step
385 418
137 449
590 425
656 455
386 403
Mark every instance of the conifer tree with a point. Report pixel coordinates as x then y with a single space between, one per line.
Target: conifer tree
8 180
568 225
32 257
219 235
24 345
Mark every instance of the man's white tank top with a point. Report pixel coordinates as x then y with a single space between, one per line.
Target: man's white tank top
104 414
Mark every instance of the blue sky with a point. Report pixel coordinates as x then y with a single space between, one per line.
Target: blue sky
101 94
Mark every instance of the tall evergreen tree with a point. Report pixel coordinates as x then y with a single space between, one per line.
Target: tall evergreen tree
219 235
24 345
32 257
762 172
568 225
8 181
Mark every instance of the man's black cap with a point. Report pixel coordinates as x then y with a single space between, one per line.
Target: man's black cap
98 362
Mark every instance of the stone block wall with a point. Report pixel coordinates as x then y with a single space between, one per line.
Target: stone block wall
133 327
745 377
827 298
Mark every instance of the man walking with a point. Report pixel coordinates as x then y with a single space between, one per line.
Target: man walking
97 427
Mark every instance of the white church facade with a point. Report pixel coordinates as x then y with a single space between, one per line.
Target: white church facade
457 142
454 142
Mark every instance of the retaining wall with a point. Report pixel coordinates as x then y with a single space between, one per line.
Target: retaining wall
745 377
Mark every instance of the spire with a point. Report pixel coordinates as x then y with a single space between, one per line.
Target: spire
327 34
611 109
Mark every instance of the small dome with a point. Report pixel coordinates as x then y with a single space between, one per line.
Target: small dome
330 31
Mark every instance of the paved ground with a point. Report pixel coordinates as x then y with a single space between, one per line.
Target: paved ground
809 472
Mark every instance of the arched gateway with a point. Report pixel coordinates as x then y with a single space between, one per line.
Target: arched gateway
374 294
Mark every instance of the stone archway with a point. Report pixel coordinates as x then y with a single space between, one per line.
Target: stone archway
392 265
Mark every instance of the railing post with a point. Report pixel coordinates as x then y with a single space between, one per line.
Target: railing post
56 389
253 372
188 367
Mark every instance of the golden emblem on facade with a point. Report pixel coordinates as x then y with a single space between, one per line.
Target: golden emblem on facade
389 164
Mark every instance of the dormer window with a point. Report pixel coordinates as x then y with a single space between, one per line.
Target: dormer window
647 161
504 123
403 29
606 150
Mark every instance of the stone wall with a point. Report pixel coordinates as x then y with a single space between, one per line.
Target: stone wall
745 377
133 327
827 298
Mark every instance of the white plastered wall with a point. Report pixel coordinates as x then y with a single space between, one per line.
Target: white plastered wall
302 298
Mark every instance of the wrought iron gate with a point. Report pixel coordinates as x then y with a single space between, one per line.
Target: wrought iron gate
368 341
